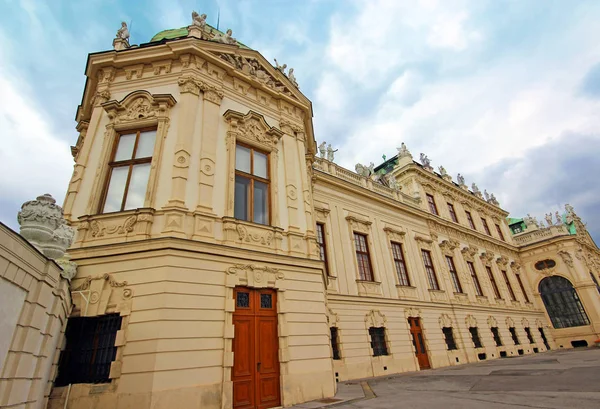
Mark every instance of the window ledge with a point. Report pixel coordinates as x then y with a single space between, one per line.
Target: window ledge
105 226
407 291
369 288
437 295
250 233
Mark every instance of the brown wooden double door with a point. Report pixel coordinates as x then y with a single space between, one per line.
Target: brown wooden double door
419 342
255 374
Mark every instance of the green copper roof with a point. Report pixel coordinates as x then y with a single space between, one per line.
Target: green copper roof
183 32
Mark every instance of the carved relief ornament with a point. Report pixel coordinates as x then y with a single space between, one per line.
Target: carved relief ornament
321 214
445 321
502 261
375 318
359 225
566 257
470 321
448 246
486 258
255 276
99 228
394 234
469 253
252 129
139 105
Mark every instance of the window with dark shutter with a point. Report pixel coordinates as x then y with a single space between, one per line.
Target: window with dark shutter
335 343
378 341
89 351
475 337
449 336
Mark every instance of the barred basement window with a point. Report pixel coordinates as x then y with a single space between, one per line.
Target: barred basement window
449 336
513 334
378 341
529 336
335 347
496 335
89 351
475 337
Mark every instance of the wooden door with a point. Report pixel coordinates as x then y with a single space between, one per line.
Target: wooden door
419 342
255 373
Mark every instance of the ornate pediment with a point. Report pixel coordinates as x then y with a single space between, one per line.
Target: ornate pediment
358 224
255 276
470 321
252 129
502 261
394 234
448 246
487 257
510 322
375 318
445 321
139 106
469 253
256 70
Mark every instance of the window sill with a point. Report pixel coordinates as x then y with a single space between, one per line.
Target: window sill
128 223
250 233
407 291
437 295
368 288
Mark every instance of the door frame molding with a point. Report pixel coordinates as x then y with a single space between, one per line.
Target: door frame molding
416 313
255 277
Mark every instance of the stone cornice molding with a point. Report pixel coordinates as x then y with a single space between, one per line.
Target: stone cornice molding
448 246
487 257
393 234
252 128
469 253
358 224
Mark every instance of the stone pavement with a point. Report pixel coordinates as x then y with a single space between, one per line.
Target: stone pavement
555 379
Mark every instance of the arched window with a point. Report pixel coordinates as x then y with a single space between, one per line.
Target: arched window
562 303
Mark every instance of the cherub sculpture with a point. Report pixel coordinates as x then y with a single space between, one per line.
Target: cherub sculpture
198 20
461 179
226 38
425 161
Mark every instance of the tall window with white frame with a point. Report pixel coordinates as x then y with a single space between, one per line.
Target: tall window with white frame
363 258
454 275
476 283
251 185
130 163
430 270
398 254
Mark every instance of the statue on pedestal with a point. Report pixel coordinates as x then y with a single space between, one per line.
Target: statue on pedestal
461 179
123 32
198 20
322 149
330 153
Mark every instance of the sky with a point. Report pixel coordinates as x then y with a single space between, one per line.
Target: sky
507 93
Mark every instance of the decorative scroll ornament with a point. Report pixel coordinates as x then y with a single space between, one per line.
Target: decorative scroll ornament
510 322
502 261
469 253
492 322
139 105
375 318
106 277
252 128
252 275
264 238
448 246
445 321
470 321
99 229
566 257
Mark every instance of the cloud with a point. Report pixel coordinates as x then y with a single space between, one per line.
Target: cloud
590 86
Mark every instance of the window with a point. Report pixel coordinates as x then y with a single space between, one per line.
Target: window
378 341
595 281
513 334
541 330
529 336
431 277
493 282
449 336
452 212
365 272
517 229
453 275
398 255
485 227
129 171
470 220
89 351
475 279
496 335
510 289
544 264
475 337
499 230
335 343
251 185
562 303
431 203
322 245
522 287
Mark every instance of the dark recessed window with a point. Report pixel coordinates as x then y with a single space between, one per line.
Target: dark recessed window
529 335
522 287
485 227
475 279
89 350
449 337
335 342
378 341
544 264
508 285
453 275
499 230
493 282
475 337
513 334
431 203
544 339
470 220
452 212
431 276
365 272
322 245
398 256
496 335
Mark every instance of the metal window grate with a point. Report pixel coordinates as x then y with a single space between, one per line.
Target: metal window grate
378 341
335 343
562 303
496 335
475 337
449 336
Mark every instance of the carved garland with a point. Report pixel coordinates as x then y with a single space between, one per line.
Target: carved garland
445 321
470 321
469 253
375 318
448 247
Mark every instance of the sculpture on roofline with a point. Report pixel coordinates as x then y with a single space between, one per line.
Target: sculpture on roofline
362 170
542 224
403 151
371 168
493 200
322 149
330 153
558 218
548 217
198 20
392 182
486 195
569 209
425 161
226 38
461 179
123 32
475 188
280 67
442 171
292 77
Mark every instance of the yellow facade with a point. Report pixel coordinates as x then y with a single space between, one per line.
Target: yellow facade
169 267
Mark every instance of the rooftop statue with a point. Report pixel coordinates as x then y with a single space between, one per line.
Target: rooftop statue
558 218
442 171
322 149
425 161
475 188
403 151
226 38
486 195
363 170
292 77
392 182
123 32
541 224
493 200
569 209
330 153
280 67
461 179
548 218
198 20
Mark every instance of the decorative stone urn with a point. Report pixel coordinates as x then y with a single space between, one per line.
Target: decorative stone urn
43 225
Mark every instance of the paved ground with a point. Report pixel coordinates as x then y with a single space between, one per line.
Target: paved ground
556 379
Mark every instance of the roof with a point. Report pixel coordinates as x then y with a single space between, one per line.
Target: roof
183 32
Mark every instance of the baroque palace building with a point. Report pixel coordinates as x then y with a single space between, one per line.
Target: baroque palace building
223 263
